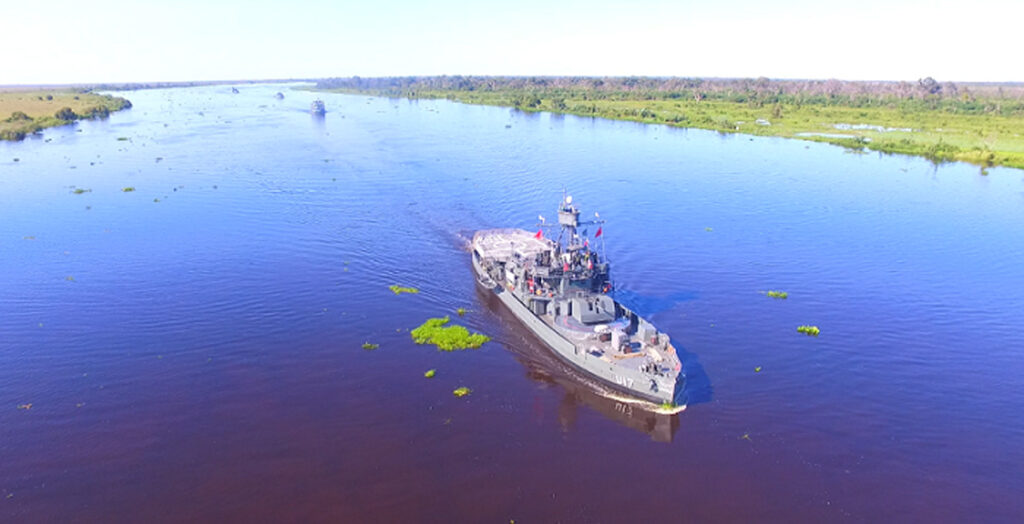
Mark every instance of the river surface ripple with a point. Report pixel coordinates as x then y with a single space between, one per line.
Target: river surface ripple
191 349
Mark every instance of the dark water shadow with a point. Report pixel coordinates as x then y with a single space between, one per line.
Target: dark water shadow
696 389
527 115
541 365
647 305
319 121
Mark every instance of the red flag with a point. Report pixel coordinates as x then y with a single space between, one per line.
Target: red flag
540 233
565 267
598 233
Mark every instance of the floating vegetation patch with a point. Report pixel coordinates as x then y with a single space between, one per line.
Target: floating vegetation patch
128 189
398 290
122 139
79 191
461 311
368 346
757 369
447 338
461 392
777 294
430 373
69 278
708 229
811 331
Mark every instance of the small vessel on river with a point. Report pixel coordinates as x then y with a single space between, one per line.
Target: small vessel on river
559 288
317 107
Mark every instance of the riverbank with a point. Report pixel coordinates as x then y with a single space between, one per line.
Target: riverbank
23 112
982 124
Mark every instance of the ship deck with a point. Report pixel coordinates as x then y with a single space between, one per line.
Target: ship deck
585 338
502 244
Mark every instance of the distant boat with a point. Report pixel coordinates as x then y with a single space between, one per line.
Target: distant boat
234 90
317 107
279 95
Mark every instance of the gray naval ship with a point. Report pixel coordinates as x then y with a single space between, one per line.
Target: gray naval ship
559 288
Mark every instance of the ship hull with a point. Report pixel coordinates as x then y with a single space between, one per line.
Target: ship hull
631 382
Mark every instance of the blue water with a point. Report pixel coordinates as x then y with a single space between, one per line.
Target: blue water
191 349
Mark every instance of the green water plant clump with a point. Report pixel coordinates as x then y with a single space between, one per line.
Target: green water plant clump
368 346
128 189
398 290
777 294
447 338
461 392
811 331
430 373
461 311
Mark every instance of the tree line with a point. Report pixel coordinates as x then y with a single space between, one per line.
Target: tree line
923 94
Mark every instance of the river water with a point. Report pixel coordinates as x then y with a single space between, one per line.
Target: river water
191 350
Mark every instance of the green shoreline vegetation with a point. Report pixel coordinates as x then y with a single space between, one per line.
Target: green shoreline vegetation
978 123
31 111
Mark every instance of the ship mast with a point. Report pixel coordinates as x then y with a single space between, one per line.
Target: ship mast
568 223
569 220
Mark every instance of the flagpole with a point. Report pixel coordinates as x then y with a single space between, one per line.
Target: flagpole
603 253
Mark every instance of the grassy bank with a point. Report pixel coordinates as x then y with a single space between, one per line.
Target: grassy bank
25 112
978 123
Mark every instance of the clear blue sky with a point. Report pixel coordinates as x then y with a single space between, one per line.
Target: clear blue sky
81 41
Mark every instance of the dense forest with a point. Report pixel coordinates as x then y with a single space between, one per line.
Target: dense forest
926 93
